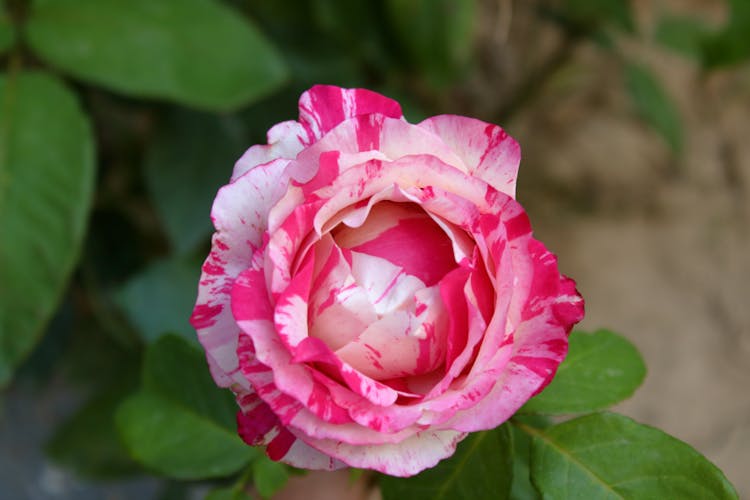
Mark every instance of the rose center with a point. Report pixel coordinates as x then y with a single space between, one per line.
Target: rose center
375 298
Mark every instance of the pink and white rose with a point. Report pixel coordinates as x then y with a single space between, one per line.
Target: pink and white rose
373 291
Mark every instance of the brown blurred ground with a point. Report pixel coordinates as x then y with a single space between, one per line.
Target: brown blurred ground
659 246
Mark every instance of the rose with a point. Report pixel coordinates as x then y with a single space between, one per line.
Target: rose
373 291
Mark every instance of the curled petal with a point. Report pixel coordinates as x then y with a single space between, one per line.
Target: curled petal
488 152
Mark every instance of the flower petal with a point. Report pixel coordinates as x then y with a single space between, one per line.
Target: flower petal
407 458
323 107
487 150
239 214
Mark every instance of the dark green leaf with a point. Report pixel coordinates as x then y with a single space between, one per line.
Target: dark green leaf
610 456
229 493
88 442
437 36
46 180
268 476
196 52
601 369
161 298
7 35
481 468
176 441
654 105
188 162
522 488
732 44
353 26
589 13
682 34
176 370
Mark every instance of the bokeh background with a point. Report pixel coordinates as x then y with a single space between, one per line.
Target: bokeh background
120 120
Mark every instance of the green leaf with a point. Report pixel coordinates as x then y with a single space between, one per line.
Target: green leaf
607 455
88 441
7 34
177 441
159 299
228 493
46 181
202 148
601 369
176 370
682 34
481 468
180 424
195 52
522 487
732 44
592 13
437 35
654 105
268 476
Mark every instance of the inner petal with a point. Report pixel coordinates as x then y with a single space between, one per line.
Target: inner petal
404 235
339 308
404 343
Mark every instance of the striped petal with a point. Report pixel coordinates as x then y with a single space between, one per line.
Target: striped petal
239 214
488 152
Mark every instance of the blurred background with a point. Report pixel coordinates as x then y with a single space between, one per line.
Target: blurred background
120 120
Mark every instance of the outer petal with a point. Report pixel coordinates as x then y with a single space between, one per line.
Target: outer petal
324 106
539 342
285 140
239 215
487 150
320 109
411 456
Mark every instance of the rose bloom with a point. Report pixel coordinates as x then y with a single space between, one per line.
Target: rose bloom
373 291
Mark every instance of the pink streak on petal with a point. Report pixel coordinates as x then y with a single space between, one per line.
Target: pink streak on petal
323 107
518 226
246 309
315 350
255 424
204 314
280 445
417 245
451 291
368 132
328 170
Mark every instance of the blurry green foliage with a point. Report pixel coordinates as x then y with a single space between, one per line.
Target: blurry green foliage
46 183
229 493
588 14
179 423
654 104
154 49
188 161
268 476
683 34
437 36
156 300
731 45
88 442
7 36
724 47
